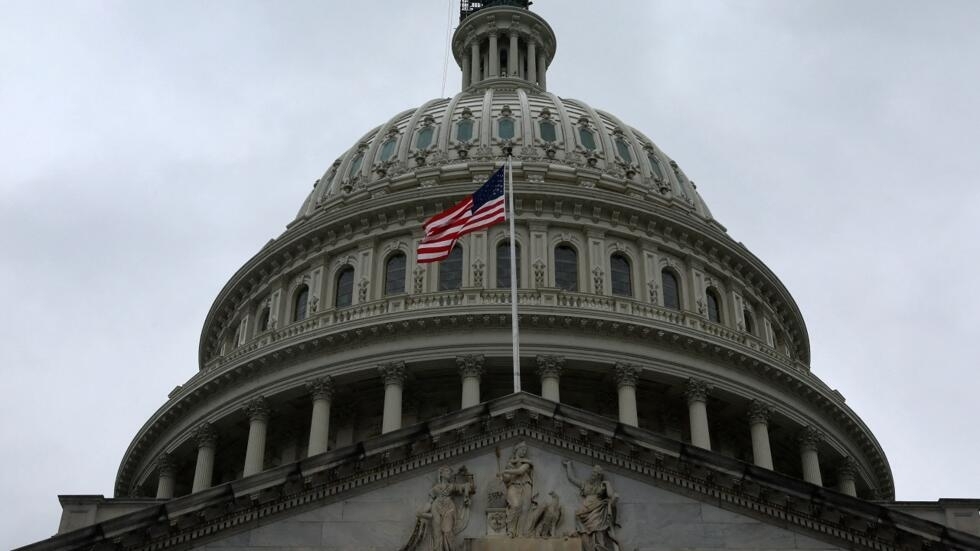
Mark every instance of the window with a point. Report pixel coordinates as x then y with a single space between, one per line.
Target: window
355 165
566 268
672 290
300 303
714 305
264 317
424 139
749 322
395 274
620 277
464 130
503 264
548 133
658 172
505 129
587 137
344 296
388 149
624 151
451 270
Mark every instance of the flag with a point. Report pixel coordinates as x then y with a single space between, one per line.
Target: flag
481 210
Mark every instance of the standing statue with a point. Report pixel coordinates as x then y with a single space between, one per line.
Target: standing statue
441 514
518 476
596 518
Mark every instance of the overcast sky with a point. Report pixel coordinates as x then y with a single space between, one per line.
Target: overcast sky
149 149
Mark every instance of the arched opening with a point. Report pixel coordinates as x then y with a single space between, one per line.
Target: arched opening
503 264
749 321
620 275
395 274
451 270
566 267
672 289
264 318
344 294
714 305
300 303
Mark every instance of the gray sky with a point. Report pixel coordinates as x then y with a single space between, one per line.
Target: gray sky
149 149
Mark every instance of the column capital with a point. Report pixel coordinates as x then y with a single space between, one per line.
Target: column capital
257 409
470 365
321 388
205 435
809 438
759 413
847 469
166 466
550 365
393 373
697 391
626 374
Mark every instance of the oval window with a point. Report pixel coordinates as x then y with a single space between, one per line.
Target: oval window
424 139
505 129
624 151
548 133
588 139
464 130
388 149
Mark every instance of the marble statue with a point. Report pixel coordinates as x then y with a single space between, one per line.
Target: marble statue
545 518
595 519
441 517
518 476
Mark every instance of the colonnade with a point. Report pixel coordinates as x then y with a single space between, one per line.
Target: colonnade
484 62
471 369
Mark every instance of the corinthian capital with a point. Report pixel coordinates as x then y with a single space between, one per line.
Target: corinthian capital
759 412
550 366
257 409
697 391
205 435
626 374
809 438
321 388
166 466
847 469
470 365
393 373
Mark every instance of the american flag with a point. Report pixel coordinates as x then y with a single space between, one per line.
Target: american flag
480 210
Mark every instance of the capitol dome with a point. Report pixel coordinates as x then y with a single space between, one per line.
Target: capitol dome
643 324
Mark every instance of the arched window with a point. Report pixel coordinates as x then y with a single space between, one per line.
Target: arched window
503 264
424 139
464 130
620 276
566 268
624 151
264 318
344 295
548 133
672 289
388 149
714 305
395 274
658 172
451 270
587 137
749 322
355 165
505 129
300 303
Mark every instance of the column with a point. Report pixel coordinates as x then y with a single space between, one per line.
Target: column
549 368
697 408
321 390
513 57
470 369
393 374
626 378
258 420
166 473
494 54
532 60
759 426
466 72
542 69
474 62
809 439
206 441
846 473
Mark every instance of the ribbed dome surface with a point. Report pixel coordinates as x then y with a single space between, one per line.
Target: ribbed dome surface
536 126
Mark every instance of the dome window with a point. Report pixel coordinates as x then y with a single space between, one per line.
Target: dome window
300 303
264 318
505 129
464 130
451 270
566 268
624 151
658 172
749 322
395 274
548 132
620 275
424 139
388 149
672 289
503 264
587 138
344 295
355 165
714 305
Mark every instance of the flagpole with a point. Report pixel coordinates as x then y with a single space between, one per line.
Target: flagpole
513 278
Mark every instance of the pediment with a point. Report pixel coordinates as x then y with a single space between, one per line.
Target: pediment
368 496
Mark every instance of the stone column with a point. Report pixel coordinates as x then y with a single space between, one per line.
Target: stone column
166 476
493 70
759 426
258 417
846 473
532 61
466 72
626 377
393 374
470 369
474 62
542 69
206 442
321 390
513 56
549 368
809 439
697 408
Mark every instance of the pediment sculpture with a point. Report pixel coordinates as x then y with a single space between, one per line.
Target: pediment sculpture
447 513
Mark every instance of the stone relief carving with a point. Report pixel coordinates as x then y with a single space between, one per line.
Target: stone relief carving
595 519
362 290
518 477
538 273
442 518
478 266
597 280
419 274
